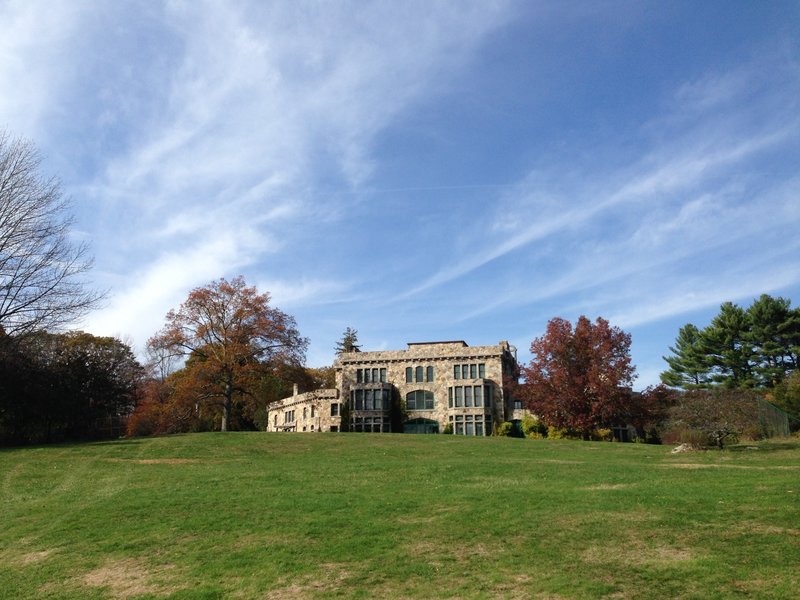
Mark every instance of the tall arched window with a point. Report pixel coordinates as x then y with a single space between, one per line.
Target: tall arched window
419 400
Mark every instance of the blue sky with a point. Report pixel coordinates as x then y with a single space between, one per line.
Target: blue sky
421 170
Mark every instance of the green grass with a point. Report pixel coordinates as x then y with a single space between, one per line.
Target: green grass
255 515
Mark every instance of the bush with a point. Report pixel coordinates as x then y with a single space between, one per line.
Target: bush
562 433
507 429
533 428
448 429
602 435
684 435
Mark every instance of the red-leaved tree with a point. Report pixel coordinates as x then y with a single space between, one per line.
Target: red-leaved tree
228 333
580 378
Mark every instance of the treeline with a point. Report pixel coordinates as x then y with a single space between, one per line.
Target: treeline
180 402
57 387
757 347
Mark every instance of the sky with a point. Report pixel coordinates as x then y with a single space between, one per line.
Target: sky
421 171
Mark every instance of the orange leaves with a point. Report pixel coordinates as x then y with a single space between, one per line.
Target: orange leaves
227 331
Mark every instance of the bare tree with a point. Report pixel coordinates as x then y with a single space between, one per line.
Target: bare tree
41 269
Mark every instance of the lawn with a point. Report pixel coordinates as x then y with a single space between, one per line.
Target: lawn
256 515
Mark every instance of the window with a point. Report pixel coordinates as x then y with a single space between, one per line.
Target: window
419 400
368 400
359 376
418 374
371 425
468 396
517 404
275 420
487 395
459 397
313 411
305 413
471 425
471 371
288 416
429 374
409 374
334 428
478 396
450 397
366 376
334 410
383 375
374 375
359 399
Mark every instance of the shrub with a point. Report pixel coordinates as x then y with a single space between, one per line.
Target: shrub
448 429
602 435
533 428
685 435
562 433
504 429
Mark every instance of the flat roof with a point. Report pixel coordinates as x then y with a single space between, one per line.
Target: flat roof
462 342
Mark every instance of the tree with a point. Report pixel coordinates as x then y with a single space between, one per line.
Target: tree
786 395
348 343
66 386
580 379
722 415
688 366
41 269
228 333
756 347
775 338
729 348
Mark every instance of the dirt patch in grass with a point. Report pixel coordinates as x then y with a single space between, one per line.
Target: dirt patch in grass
35 557
329 577
128 577
155 461
636 554
608 486
755 527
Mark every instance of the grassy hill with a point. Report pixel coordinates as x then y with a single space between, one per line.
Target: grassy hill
254 515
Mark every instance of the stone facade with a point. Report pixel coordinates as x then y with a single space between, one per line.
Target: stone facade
430 387
310 411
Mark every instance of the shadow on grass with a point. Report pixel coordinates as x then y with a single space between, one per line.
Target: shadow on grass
767 446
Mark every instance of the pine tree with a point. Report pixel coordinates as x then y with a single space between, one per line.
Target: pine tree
348 343
689 366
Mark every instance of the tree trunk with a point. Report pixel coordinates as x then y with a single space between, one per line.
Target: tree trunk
227 402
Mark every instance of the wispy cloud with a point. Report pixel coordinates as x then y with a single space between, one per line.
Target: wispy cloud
261 108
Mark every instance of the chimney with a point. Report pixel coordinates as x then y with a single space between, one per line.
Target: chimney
294 390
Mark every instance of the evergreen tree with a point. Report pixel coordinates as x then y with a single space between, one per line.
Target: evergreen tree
757 347
689 366
727 343
348 343
775 337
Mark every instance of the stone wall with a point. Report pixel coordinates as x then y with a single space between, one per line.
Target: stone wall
310 411
391 367
433 371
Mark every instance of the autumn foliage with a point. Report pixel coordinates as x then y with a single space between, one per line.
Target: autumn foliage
232 342
580 378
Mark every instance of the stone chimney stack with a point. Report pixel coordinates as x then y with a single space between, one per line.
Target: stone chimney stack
295 391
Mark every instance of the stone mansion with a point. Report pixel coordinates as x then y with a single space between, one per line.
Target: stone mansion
430 387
